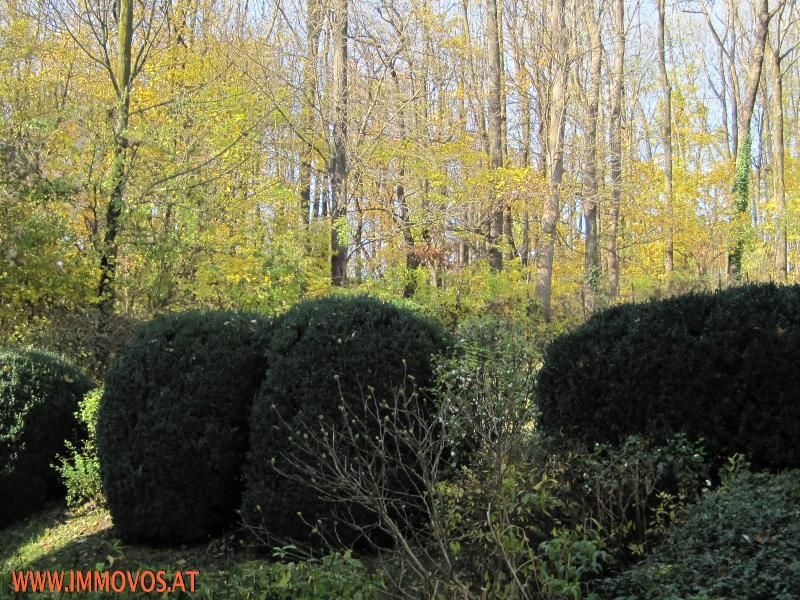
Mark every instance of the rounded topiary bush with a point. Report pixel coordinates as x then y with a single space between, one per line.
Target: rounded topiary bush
326 357
173 424
39 395
720 366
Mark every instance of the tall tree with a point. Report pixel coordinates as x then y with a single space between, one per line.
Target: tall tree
555 155
496 218
309 103
122 63
338 163
666 141
778 168
741 184
776 54
122 86
617 90
520 50
592 263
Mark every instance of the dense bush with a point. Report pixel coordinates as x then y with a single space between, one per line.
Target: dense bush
39 395
552 517
631 492
328 358
719 366
80 469
173 424
742 541
485 388
506 531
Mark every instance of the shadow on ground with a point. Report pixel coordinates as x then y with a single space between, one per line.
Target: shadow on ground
60 540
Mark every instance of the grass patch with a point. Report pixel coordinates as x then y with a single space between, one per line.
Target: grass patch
42 538
83 539
58 539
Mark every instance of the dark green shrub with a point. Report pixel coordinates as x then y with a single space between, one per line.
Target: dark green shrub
719 366
39 395
172 430
742 541
326 358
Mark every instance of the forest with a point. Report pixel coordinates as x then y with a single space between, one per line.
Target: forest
563 155
402 298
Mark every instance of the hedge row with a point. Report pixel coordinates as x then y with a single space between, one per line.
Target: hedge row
175 422
721 366
199 409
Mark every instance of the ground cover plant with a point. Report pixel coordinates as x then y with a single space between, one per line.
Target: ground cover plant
84 539
741 541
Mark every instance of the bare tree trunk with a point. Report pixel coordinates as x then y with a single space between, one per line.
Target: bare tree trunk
358 249
338 166
723 95
412 258
732 75
762 125
501 47
779 189
525 107
666 138
508 217
555 158
480 113
314 29
616 148
464 245
592 268
496 220
118 176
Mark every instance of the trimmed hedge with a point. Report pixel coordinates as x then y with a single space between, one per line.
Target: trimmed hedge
322 353
173 424
39 394
721 366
